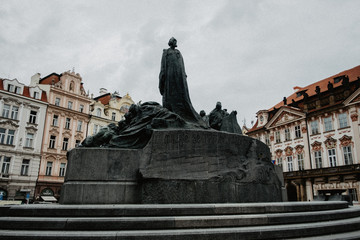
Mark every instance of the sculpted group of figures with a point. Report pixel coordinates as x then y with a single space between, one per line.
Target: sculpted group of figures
176 110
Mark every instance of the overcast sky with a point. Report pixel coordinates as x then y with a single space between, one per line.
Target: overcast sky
246 54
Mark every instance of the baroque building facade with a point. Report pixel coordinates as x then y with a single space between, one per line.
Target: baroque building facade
314 136
107 108
65 127
22 117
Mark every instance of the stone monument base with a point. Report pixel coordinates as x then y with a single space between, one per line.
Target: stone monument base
176 166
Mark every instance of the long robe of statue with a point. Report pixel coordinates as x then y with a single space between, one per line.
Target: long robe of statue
173 85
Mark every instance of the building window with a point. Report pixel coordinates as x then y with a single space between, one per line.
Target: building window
77 143
279 161
14 112
18 90
57 101
277 137
25 167
62 169
113 116
98 112
6 165
65 144
332 157
343 122
2 135
287 134
79 126
10 137
347 155
6 111
300 158
48 168
29 140
67 123
96 128
36 95
328 124
10 88
52 141
32 118
55 120
297 131
81 108
318 160
70 105
290 163
314 127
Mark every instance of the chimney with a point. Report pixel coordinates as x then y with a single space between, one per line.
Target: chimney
35 80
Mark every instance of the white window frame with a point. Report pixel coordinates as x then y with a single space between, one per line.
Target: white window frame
5 166
29 140
297 131
65 144
57 101
6 111
25 167
70 104
289 160
67 123
328 124
332 157
48 168
14 112
62 169
33 115
300 159
277 137
348 158
343 120
79 126
314 127
55 121
52 141
318 159
287 134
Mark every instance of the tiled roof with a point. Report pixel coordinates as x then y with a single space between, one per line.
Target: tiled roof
26 92
352 73
104 99
49 79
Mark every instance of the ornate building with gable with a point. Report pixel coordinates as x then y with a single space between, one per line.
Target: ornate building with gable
65 127
22 117
314 135
107 108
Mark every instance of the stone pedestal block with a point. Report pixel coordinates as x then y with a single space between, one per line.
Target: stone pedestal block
176 166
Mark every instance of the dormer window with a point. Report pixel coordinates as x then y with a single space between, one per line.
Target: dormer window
36 95
298 94
18 90
10 88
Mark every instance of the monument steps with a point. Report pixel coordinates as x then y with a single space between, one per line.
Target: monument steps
180 221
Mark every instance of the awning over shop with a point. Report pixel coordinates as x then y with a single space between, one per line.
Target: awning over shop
49 198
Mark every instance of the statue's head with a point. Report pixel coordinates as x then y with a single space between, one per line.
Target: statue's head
218 105
172 42
202 113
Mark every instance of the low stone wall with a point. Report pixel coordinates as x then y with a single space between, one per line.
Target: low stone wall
176 166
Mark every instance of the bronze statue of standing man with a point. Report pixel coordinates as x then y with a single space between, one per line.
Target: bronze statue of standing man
173 85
